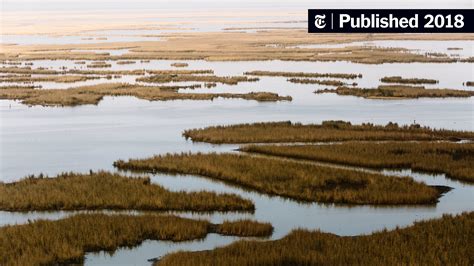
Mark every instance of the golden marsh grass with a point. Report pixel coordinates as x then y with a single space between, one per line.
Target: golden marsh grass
300 181
396 92
66 241
398 79
328 131
93 94
104 190
456 160
445 241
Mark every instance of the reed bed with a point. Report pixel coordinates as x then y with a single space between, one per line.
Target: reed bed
126 62
302 74
300 181
328 131
456 160
398 92
29 70
104 190
398 79
320 82
179 64
66 241
245 228
445 241
57 79
99 64
93 94
183 78
241 46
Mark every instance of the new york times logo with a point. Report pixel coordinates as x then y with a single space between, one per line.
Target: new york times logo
391 21
320 21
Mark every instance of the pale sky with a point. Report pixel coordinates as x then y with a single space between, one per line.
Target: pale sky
8 5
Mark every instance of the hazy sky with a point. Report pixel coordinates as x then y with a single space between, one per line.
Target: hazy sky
13 5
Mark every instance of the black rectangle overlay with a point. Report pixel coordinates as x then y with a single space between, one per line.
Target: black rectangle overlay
391 20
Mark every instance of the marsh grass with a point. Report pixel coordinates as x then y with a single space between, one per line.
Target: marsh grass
179 64
398 92
245 228
93 94
300 181
469 83
398 79
104 190
454 159
126 62
67 240
241 46
49 78
320 82
198 78
444 241
99 64
29 70
328 131
302 74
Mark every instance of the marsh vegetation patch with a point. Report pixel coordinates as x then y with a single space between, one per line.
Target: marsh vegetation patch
300 181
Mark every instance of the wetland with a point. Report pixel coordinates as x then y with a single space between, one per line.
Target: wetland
168 145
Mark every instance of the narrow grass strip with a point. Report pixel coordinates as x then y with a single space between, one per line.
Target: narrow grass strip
104 190
300 181
328 131
456 160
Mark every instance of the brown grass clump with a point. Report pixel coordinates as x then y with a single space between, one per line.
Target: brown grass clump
245 228
28 70
300 181
179 64
210 85
398 79
302 74
453 159
390 92
67 240
136 72
180 78
445 241
58 79
469 83
99 64
125 62
94 94
328 131
320 82
104 190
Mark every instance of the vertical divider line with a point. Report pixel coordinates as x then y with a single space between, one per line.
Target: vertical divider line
332 21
